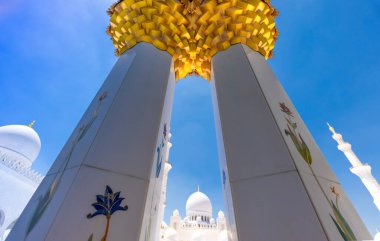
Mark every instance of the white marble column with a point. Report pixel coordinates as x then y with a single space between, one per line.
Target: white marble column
277 184
118 143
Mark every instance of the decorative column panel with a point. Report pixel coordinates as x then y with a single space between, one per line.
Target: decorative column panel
277 184
100 186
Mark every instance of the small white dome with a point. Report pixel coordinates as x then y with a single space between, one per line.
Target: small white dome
164 225
212 221
377 237
198 204
20 140
220 214
176 212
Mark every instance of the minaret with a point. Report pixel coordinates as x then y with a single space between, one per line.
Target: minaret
363 171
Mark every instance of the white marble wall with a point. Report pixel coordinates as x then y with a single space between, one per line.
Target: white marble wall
15 192
114 144
272 192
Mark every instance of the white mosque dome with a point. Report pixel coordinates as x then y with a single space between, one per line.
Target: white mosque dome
198 204
20 141
198 225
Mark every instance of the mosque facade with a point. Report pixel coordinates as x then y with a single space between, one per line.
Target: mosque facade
198 223
19 147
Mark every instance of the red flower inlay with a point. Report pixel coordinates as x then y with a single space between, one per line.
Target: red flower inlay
285 109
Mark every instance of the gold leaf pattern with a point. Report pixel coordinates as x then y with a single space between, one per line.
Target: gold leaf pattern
193 31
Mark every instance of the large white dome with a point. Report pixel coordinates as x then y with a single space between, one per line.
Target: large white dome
20 140
198 204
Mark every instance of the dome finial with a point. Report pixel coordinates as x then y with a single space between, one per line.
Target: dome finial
331 128
32 123
198 187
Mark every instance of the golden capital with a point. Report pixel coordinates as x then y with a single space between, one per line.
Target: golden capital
193 31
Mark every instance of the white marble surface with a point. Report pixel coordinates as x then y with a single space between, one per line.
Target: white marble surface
15 192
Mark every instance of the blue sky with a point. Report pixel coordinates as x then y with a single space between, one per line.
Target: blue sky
54 55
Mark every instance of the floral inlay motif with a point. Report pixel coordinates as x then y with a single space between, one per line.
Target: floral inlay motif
159 158
44 199
224 177
106 205
165 132
291 131
337 217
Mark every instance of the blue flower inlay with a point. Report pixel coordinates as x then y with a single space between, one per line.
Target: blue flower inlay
107 205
